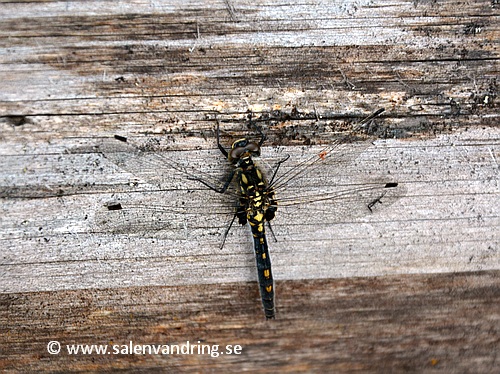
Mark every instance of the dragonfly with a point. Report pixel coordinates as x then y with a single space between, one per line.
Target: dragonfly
257 197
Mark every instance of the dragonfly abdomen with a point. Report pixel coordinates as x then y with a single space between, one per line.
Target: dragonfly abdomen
257 205
264 272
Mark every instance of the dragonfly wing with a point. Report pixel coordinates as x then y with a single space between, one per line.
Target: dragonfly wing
339 186
167 201
316 162
163 214
168 169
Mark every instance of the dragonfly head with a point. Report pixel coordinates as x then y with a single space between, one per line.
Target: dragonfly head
243 149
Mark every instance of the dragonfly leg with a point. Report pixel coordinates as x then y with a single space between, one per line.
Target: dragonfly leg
277 168
227 231
259 130
218 190
272 231
242 220
221 148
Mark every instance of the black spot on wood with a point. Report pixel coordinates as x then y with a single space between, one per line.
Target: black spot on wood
121 138
114 206
16 120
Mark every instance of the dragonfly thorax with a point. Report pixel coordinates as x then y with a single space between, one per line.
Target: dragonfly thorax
257 198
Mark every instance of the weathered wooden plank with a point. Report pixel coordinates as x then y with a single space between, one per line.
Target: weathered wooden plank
445 322
76 73
282 53
450 200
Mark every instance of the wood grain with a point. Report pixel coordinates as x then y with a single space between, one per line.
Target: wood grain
425 323
74 74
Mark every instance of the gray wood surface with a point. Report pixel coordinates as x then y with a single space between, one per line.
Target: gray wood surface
74 74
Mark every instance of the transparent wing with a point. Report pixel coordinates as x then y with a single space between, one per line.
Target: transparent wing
167 201
165 214
328 188
316 186
339 152
330 184
150 162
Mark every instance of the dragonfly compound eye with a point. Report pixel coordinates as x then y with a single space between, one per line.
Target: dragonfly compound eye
241 148
240 143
